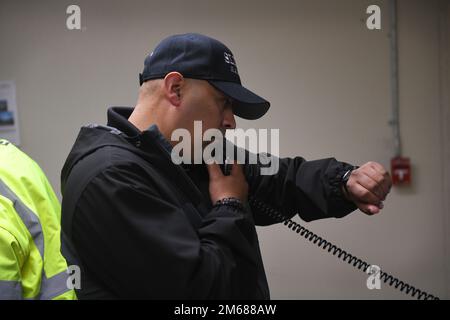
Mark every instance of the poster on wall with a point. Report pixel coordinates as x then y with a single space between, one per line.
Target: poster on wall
9 122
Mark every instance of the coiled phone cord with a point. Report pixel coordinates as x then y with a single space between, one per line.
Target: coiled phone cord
341 254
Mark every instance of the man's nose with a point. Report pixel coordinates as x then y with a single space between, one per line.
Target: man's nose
228 120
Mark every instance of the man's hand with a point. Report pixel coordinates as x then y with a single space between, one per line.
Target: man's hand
368 187
221 186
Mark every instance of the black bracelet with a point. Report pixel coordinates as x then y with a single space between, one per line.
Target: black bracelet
231 202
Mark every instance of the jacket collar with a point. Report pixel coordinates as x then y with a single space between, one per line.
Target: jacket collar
118 118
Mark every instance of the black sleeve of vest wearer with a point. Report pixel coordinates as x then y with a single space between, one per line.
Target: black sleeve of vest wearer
137 245
310 188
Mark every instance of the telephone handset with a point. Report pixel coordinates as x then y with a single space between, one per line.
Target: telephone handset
331 248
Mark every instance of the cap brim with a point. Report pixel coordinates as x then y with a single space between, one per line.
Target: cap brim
247 104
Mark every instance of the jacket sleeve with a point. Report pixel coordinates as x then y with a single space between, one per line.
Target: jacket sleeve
140 245
310 188
10 269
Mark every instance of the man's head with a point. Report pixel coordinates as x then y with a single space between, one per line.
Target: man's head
192 77
176 102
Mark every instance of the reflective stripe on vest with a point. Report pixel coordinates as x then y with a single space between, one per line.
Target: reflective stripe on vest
10 290
50 287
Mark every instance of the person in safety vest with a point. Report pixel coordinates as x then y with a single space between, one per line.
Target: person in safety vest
31 263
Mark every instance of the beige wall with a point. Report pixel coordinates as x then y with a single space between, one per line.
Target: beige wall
327 77
444 61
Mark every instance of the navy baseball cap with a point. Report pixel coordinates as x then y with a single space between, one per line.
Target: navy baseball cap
200 57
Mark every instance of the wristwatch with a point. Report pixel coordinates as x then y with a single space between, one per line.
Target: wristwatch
345 178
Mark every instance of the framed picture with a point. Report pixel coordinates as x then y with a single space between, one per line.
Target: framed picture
9 126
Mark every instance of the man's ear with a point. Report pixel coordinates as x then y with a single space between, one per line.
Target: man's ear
173 84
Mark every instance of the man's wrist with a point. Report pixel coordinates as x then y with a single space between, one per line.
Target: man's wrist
344 180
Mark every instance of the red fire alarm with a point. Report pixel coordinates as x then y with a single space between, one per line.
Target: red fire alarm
401 171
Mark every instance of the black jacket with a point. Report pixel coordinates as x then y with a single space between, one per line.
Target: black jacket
144 227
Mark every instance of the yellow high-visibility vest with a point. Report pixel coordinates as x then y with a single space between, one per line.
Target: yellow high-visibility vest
31 263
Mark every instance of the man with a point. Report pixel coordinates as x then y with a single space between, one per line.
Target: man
31 264
144 227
